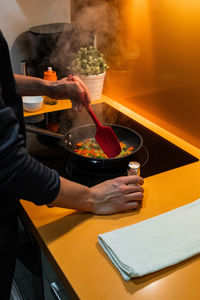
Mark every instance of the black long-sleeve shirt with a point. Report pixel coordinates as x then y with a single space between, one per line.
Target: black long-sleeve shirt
21 176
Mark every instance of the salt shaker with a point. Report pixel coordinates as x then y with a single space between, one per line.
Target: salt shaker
133 168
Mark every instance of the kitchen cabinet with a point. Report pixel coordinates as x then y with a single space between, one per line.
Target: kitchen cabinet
53 288
34 276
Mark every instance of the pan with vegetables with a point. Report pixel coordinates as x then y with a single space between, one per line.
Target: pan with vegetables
85 157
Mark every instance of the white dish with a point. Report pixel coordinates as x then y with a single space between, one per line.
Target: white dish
32 103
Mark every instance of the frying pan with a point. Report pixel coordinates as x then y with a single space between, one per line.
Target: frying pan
88 170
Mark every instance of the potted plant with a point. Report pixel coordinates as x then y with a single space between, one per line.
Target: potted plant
90 65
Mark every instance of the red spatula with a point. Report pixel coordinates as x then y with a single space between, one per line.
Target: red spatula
105 136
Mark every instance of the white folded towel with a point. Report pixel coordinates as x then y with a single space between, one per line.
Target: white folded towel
156 243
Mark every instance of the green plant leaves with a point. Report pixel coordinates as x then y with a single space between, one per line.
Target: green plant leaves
89 61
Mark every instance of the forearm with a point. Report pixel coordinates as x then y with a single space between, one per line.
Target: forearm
111 196
73 195
32 86
60 89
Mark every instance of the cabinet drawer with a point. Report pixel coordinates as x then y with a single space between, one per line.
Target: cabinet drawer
53 288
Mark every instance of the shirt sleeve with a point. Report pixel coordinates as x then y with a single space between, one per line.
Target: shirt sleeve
20 174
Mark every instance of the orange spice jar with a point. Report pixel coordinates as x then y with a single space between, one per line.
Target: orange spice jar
50 75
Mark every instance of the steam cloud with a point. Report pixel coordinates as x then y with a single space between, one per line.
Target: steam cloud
100 20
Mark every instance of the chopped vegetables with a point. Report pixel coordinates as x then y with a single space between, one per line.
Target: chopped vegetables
90 148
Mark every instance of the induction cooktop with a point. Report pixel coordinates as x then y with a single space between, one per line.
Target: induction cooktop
156 156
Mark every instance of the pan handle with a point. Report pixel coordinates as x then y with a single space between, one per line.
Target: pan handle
37 130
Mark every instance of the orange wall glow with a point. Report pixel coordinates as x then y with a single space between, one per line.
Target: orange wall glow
161 39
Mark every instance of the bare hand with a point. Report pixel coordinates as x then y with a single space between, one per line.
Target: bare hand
117 195
65 89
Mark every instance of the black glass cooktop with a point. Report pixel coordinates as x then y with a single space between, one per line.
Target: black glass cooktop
156 156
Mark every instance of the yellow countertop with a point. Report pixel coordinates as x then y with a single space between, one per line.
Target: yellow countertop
69 238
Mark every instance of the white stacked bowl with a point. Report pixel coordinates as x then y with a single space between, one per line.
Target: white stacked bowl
32 103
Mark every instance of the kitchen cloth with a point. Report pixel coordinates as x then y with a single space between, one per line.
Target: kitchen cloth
155 243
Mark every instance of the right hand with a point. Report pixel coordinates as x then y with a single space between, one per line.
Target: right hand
85 97
117 195
68 89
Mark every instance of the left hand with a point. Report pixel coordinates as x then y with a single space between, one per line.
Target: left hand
117 195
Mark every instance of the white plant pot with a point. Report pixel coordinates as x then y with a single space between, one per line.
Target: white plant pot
94 84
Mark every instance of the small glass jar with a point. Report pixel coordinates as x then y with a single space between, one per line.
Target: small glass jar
133 168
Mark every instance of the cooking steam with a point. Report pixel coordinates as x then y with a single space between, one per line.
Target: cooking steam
100 24
104 19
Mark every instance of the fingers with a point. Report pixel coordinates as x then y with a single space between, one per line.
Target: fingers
132 201
77 106
79 100
133 189
131 205
84 86
76 95
137 196
87 99
133 193
133 179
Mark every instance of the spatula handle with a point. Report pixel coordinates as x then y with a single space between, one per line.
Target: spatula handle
92 115
90 111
